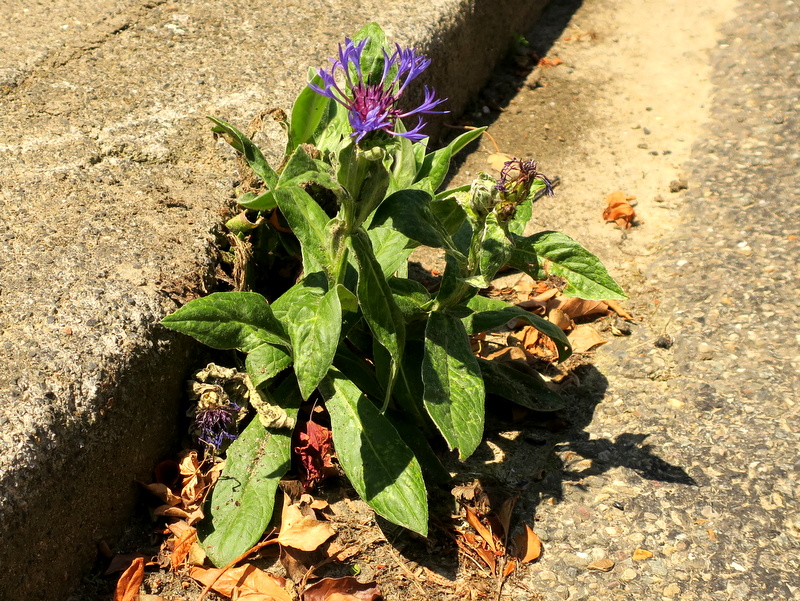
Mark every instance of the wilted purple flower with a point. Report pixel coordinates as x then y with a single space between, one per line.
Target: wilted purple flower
217 424
373 106
517 177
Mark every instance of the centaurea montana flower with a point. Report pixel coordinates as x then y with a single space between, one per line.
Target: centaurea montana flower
217 424
373 106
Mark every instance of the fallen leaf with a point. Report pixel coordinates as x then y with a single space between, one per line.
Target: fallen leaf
342 589
244 580
550 62
583 338
504 515
601 565
182 547
315 451
640 554
619 210
560 319
579 308
130 581
508 353
486 534
120 563
498 160
617 308
163 492
304 532
511 565
528 545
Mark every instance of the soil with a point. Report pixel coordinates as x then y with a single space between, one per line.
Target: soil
607 110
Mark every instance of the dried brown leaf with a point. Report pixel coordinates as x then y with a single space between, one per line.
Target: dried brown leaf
528 545
484 532
579 308
163 492
504 515
243 580
560 319
497 160
342 589
130 581
619 210
300 529
583 338
619 310
183 546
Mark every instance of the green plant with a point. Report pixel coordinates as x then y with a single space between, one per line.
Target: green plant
391 361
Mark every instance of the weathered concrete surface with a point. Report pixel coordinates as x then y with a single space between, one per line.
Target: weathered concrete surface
111 191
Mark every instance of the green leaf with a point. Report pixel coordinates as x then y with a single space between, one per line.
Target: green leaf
495 248
381 313
243 499
359 371
314 321
523 388
265 362
229 320
554 253
301 169
522 217
307 112
449 213
404 164
372 58
436 164
421 447
408 390
309 223
411 296
250 151
391 248
454 392
258 202
409 212
379 465
492 313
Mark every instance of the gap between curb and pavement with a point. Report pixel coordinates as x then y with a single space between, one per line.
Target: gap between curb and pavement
112 190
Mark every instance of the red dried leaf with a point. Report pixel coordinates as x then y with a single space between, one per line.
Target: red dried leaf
315 451
342 589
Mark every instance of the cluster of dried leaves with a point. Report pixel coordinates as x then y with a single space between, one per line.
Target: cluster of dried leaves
526 344
484 536
303 543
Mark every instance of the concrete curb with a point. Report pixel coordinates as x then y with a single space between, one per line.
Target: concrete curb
111 190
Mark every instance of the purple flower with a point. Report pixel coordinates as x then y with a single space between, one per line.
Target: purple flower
217 424
373 106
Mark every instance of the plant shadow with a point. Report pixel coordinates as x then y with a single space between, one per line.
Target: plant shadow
536 459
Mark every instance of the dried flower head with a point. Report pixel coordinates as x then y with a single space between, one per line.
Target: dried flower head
372 106
516 179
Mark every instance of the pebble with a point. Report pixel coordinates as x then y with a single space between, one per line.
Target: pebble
628 575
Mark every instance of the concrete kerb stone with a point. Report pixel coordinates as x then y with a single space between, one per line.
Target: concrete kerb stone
111 190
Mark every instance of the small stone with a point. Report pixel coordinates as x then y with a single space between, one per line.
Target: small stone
677 185
628 575
640 554
601 565
671 590
663 341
